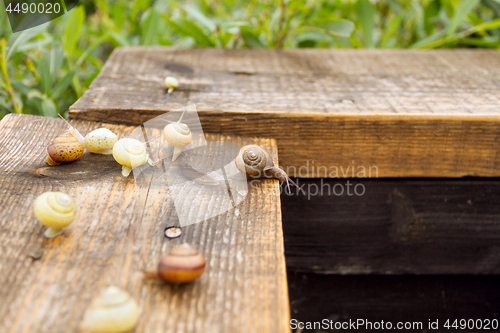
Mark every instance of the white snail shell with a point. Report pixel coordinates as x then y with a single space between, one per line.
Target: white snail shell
54 210
112 311
101 141
171 83
130 153
253 160
178 135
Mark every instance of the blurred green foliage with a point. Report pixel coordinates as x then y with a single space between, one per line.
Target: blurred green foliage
45 69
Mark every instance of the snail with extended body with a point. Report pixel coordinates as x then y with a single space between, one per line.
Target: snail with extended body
99 141
182 264
171 83
54 210
112 311
178 135
256 162
130 153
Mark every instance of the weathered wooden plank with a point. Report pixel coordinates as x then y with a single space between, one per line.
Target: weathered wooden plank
406 299
409 113
118 232
411 226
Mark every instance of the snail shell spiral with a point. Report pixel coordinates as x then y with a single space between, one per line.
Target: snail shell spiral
130 153
54 210
64 148
178 135
253 160
112 311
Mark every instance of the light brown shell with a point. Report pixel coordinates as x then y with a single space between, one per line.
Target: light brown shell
64 148
253 161
182 264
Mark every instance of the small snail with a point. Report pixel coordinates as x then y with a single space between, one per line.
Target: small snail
182 264
130 153
171 83
112 311
54 210
64 148
256 162
178 135
99 141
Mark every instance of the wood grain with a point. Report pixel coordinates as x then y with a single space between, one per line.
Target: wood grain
397 226
118 232
409 113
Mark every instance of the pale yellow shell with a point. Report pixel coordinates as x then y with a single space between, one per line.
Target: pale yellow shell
112 311
171 82
130 152
177 134
100 141
55 209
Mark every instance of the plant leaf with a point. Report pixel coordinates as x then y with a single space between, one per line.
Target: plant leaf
149 27
44 72
62 85
73 28
48 108
465 7
187 28
337 27
366 16
250 39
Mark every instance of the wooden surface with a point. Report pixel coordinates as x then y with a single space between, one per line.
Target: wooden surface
117 233
394 299
398 226
409 113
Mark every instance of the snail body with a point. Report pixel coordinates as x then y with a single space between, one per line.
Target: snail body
64 148
130 153
112 311
256 162
101 141
182 264
171 83
178 135
54 210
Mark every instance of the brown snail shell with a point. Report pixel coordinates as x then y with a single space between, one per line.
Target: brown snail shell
64 148
256 162
182 264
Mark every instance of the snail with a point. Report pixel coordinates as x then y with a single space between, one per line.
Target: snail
178 135
64 148
99 141
256 162
130 153
54 210
182 264
112 311
171 83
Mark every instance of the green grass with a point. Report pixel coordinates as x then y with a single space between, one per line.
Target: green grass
45 69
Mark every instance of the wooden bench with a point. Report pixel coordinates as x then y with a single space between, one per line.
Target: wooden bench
119 232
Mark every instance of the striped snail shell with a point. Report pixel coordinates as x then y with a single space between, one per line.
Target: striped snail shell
256 162
178 135
130 153
112 311
54 210
64 148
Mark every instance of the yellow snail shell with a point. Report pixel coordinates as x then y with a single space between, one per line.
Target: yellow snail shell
100 141
171 83
130 153
54 210
178 135
64 148
112 311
